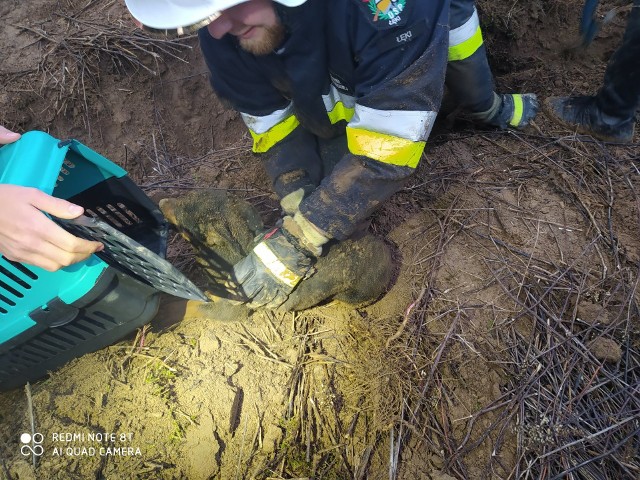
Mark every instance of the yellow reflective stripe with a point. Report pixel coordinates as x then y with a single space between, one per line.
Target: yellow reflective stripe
275 266
262 142
467 48
340 112
384 148
339 106
518 108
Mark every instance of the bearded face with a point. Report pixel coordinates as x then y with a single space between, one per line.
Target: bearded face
264 41
255 25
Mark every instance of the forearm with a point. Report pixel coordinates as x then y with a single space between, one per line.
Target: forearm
353 191
386 137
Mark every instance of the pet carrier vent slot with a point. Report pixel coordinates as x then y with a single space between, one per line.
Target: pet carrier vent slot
21 267
119 214
64 172
44 340
8 301
107 217
24 357
70 331
16 364
42 348
13 277
63 338
11 290
134 218
80 325
94 322
37 355
106 317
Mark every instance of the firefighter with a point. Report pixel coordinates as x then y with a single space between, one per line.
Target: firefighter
610 115
340 97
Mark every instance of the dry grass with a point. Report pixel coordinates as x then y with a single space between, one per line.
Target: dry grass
574 413
80 44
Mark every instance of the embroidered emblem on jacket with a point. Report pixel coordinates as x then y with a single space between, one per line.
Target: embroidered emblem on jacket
389 10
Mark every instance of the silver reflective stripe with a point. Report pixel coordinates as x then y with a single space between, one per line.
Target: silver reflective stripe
335 96
411 125
465 31
275 266
265 123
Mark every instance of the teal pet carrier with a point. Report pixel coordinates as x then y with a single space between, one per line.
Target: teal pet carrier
48 318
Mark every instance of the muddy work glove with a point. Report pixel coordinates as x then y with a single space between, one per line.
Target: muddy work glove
509 110
279 262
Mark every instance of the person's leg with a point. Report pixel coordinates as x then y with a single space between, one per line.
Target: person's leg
610 114
331 151
620 93
469 78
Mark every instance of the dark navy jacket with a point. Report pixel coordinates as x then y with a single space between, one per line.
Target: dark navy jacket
372 70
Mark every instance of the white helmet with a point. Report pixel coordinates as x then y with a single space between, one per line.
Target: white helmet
184 15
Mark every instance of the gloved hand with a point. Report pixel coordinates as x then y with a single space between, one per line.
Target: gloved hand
509 110
279 262
354 272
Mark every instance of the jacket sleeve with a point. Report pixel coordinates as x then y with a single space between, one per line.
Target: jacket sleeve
399 85
258 88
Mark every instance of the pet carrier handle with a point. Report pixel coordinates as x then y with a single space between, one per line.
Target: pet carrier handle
39 160
33 161
83 220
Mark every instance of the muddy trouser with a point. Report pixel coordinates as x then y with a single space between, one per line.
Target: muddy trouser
469 78
620 93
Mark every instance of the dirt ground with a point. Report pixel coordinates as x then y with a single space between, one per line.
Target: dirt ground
512 318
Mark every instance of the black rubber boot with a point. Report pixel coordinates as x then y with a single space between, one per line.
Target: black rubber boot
583 115
355 272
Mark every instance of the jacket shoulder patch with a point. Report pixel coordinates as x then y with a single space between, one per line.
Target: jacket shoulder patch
385 14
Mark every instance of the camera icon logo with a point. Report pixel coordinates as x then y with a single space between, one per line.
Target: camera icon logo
31 444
